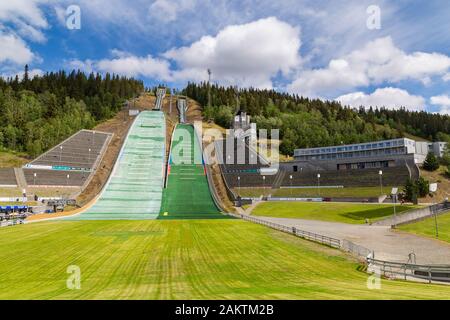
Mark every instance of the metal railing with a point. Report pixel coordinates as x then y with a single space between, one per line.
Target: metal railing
332 242
407 271
356 249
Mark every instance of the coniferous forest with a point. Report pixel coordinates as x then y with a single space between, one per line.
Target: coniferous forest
307 122
38 113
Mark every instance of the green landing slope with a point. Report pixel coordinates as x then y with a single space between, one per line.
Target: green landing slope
187 195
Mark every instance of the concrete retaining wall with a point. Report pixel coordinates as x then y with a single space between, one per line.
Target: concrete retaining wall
414 215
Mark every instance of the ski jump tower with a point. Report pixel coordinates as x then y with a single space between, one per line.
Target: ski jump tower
182 108
160 94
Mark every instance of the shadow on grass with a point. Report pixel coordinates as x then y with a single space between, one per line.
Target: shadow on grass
374 214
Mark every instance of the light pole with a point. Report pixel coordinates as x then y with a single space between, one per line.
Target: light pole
433 189
318 183
381 181
264 185
34 178
60 153
67 182
394 198
290 178
239 185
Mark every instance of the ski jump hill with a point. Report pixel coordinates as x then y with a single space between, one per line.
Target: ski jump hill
135 189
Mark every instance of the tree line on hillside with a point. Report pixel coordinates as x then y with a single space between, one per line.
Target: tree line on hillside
305 122
37 113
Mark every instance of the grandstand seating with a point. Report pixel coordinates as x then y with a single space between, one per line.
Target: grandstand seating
251 177
349 178
55 178
7 177
249 173
80 152
232 164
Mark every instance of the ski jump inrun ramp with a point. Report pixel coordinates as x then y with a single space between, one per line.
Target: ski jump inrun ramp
135 189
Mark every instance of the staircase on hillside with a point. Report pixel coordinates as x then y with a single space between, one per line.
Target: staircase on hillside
279 179
20 177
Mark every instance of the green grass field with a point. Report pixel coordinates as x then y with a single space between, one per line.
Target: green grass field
190 259
354 213
427 227
363 192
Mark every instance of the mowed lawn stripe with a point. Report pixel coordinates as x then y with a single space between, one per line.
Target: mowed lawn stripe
354 213
185 259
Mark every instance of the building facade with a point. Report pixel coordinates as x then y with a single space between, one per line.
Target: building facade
379 154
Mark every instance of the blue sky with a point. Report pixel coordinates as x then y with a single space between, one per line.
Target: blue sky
316 48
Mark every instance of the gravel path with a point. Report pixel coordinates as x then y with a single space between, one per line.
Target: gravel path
388 244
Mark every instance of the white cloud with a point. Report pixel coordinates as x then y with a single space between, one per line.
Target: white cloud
248 55
379 61
85 66
60 14
126 64
31 73
136 66
29 32
392 98
445 111
167 11
446 77
25 10
14 50
442 100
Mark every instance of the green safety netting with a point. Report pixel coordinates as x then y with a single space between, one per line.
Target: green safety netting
134 190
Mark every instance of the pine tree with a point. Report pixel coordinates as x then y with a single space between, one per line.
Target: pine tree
431 162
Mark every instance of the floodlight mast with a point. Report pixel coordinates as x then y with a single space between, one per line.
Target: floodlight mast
209 87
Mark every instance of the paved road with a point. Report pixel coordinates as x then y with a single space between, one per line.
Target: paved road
387 244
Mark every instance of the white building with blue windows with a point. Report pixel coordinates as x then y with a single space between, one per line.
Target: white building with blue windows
379 154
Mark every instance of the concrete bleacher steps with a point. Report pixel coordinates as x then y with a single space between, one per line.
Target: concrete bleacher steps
7 177
134 190
395 176
250 177
81 151
54 178
187 195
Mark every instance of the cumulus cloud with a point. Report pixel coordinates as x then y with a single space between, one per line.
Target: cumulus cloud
20 20
248 54
443 101
136 66
25 17
126 64
14 50
392 98
379 61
